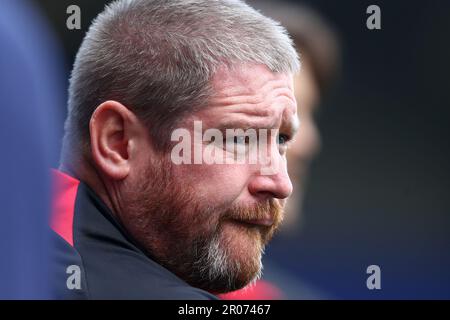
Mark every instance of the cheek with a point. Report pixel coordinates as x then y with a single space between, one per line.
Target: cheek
216 183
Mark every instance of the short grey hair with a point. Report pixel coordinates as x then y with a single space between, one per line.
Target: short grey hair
157 57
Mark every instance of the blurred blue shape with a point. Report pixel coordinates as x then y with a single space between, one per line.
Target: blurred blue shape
31 91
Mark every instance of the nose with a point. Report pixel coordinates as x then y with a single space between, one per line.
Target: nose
276 185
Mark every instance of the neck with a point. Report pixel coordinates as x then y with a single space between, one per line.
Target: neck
85 171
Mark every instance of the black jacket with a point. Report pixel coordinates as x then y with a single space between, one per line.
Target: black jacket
96 259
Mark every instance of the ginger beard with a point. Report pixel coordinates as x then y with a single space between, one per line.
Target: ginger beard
205 244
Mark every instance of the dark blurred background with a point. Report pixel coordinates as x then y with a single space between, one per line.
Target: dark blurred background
379 193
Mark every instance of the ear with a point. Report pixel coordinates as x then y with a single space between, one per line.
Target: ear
112 128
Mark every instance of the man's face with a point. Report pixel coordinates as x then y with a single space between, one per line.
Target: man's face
209 223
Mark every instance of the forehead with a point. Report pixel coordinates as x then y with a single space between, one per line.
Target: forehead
253 96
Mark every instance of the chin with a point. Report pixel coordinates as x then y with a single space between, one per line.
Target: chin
243 248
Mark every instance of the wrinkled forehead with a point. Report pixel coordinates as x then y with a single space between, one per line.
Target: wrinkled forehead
248 79
254 94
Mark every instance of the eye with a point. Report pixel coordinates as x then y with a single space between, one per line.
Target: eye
241 140
283 139
236 141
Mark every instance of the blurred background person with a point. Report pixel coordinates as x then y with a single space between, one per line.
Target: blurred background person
319 52
31 87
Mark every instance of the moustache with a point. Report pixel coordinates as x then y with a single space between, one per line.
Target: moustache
268 213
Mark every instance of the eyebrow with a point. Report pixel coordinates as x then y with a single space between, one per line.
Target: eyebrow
287 127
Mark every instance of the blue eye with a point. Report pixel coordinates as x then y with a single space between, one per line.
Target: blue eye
241 139
282 139
236 140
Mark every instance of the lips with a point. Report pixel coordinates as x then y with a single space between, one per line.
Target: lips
266 222
265 215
